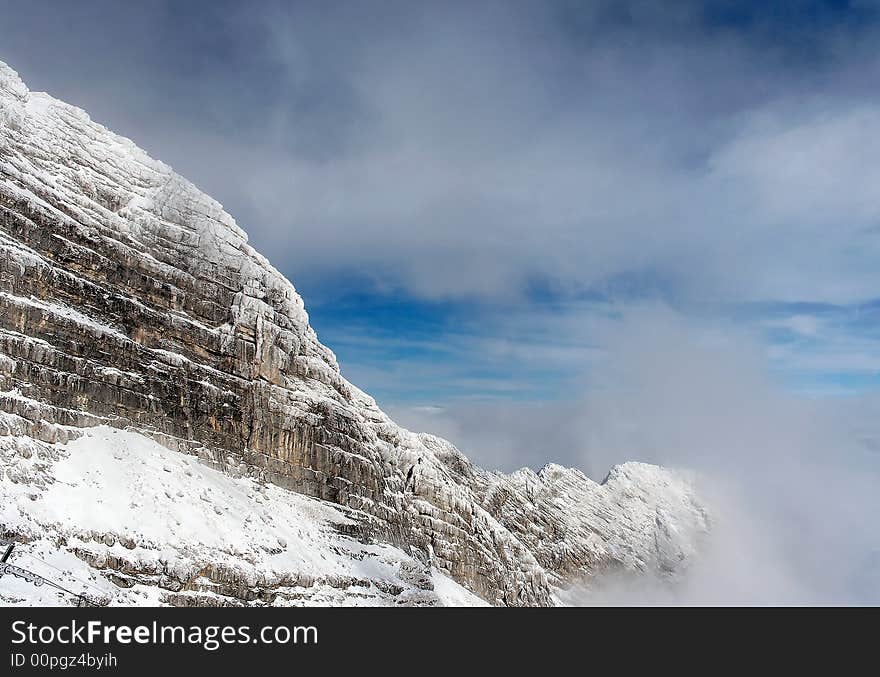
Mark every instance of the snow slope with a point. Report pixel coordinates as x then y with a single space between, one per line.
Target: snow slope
121 502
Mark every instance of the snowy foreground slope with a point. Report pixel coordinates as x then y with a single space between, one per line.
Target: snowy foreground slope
117 495
173 432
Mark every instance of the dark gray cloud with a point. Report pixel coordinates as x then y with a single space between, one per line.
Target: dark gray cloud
466 149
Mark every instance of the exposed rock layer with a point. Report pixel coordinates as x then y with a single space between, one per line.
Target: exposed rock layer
128 298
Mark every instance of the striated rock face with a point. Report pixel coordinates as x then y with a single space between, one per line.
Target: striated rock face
130 299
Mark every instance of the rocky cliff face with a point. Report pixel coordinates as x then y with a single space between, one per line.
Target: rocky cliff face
130 300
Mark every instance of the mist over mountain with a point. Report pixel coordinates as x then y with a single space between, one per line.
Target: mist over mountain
175 433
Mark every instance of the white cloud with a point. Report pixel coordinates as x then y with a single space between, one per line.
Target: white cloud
804 325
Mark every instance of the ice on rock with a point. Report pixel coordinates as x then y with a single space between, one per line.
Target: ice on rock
143 337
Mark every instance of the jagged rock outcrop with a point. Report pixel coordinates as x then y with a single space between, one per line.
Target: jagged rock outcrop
130 299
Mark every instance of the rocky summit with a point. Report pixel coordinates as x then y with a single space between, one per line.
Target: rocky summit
173 432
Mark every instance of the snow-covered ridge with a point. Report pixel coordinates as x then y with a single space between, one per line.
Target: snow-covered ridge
95 173
130 300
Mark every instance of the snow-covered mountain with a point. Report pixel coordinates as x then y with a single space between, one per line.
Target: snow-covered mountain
172 431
